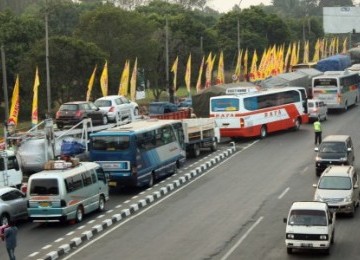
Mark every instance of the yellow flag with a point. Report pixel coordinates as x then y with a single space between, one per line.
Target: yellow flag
344 49
220 73
90 84
174 70
124 81
237 74
34 111
208 71
198 83
316 56
104 80
188 74
253 68
246 63
15 104
133 82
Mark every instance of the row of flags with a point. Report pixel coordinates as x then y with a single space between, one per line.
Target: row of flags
274 60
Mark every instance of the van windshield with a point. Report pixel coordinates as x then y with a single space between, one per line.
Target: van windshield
44 187
332 147
335 183
301 217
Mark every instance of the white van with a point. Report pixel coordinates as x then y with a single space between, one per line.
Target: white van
309 225
66 191
317 109
10 176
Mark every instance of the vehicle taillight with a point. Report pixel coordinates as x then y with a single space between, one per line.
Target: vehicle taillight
57 114
78 113
242 122
112 109
315 109
339 98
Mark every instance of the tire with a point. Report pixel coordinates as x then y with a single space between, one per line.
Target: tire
4 219
325 117
101 203
79 214
136 111
352 213
345 107
213 146
318 172
152 180
263 132
327 251
332 241
297 124
289 250
105 120
195 151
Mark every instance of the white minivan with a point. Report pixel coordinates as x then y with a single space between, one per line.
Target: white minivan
309 225
66 191
10 176
317 109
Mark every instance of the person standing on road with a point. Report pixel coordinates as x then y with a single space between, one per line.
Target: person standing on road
10 235
318 131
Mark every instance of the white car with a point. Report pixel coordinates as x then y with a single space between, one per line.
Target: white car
117 107
317 109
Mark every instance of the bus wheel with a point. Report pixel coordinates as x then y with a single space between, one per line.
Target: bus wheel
196 151
79 214
297 124
151 180
213 146
345 107
101 203
263 132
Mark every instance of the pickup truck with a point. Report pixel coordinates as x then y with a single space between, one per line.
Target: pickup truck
310 225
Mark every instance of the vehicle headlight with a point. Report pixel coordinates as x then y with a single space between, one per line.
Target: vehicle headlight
347 198
343 159
323 237
318 158
290 236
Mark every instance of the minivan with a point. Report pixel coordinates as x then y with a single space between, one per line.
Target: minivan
11 175
317 109
334 150
309 225
66 191
338 187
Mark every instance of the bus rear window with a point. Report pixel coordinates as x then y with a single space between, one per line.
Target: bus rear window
326 82
44 187
110 143
224 104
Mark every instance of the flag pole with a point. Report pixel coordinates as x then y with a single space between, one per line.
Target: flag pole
6 97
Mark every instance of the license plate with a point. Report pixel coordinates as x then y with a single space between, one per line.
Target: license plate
112 183
44 204
306 245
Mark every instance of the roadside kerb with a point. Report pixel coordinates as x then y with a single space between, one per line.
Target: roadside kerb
133 208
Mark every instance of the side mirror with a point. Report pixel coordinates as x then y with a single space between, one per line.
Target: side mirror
316 149
349 149
284 220
314 185
356 186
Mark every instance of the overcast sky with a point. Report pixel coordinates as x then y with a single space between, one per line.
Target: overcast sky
227 5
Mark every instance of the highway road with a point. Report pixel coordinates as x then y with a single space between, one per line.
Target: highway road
232 211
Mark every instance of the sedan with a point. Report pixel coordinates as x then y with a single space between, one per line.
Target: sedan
72 113
117 107
13 205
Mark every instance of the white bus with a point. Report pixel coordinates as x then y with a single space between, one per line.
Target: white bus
338 89
259 113
66 192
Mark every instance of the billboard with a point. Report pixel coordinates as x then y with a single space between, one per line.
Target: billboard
341 19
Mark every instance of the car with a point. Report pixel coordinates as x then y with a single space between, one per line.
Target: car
162 107
117 107
317 109
185 103
310 225
334 150
338 186
13 205
72 113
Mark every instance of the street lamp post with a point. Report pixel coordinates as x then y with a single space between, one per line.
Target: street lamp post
238 29
6 97
48 89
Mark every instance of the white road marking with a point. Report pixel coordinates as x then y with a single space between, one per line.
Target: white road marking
283 193
241 239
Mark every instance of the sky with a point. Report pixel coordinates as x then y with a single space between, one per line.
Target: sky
226 5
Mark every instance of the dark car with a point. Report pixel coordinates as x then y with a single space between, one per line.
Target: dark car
334 150
185 104
160 108
71 113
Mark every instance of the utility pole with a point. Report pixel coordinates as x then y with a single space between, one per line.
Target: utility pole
48 89
168 86
238 29
6 97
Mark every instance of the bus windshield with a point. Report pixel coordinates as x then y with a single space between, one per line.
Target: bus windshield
111 143
225 104
325 83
